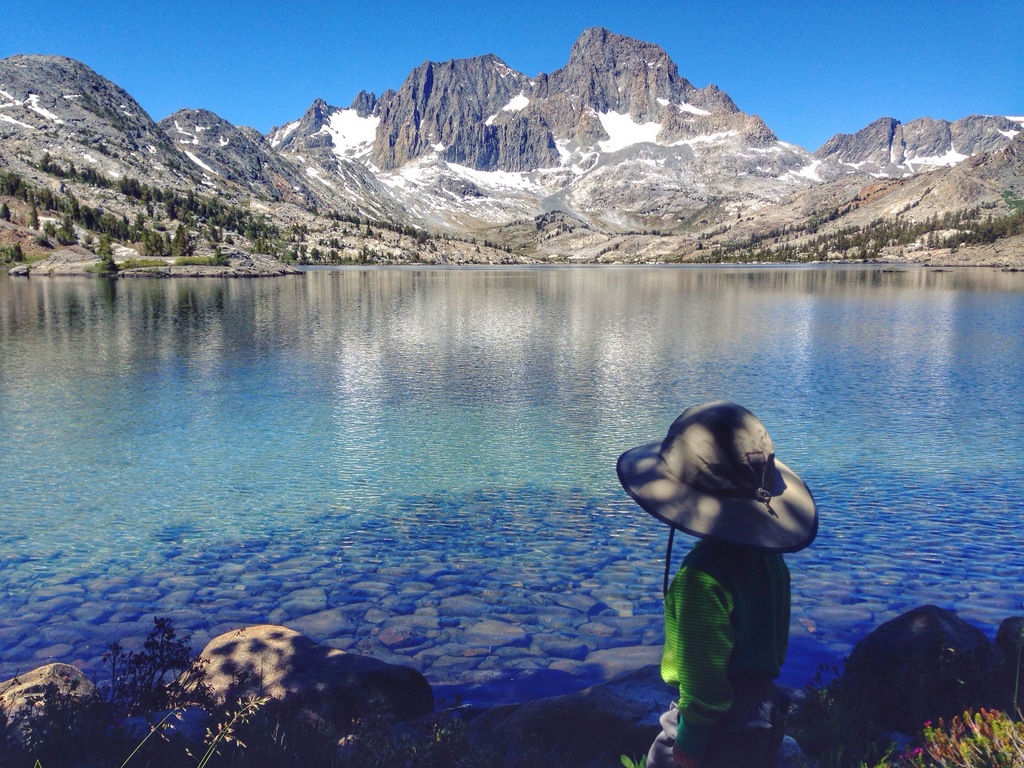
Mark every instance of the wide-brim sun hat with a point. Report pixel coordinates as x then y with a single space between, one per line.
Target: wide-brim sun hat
715 476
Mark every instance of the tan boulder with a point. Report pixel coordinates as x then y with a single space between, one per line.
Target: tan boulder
28 690
275 661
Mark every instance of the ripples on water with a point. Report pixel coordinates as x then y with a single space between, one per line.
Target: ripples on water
419 464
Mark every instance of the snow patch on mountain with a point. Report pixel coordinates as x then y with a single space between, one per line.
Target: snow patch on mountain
497 181
315 173
9 119
808 171
517 104
192 137
684 107
624 132
351 135
284 133
199 162
710 138
33 103
950 158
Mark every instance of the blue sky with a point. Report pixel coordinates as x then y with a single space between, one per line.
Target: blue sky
810 69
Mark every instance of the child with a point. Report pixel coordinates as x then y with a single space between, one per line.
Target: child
715 476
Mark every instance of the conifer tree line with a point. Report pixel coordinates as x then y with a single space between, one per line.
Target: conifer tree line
207 218
199 217
952 229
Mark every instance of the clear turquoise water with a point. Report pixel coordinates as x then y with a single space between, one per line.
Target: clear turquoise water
419 464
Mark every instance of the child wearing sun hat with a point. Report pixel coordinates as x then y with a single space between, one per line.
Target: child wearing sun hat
727 611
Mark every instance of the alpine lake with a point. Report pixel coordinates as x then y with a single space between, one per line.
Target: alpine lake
418 464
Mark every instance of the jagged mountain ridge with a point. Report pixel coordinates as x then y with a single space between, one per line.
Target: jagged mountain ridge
472 144
616 140
890 148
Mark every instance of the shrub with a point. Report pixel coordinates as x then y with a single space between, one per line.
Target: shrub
833 728
72 728
982 739
142 263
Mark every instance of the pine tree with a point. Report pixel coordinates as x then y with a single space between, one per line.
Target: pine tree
66 234
104 250
183 243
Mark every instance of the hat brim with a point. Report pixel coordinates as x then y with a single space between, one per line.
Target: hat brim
746 522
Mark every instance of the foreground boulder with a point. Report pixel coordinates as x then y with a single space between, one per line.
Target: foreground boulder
275 661
1010 653
29 690
590 727
924 665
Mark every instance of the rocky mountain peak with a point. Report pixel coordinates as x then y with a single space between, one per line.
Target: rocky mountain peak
443 105
365 103
613 73
54 97
872 143
238 156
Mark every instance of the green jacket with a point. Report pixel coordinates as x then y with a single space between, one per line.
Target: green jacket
726 615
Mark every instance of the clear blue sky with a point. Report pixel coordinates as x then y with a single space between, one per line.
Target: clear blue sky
810 69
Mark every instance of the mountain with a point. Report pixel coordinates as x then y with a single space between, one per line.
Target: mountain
78 115
470 144
613 157
887 147
239 155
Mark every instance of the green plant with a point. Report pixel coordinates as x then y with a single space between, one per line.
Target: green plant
197 261
156 729
1016 676
982 739
142 263
629 762
105 266
57 727
12 254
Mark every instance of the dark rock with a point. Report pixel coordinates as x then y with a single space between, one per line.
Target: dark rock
924 665
280 662
1010 653
592 727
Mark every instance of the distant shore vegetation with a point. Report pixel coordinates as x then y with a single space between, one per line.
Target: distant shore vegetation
172 225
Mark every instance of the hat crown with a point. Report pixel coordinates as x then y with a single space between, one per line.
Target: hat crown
722 449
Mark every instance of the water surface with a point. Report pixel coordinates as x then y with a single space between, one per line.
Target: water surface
419 464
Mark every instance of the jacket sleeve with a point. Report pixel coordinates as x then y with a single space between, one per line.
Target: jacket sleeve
699 639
